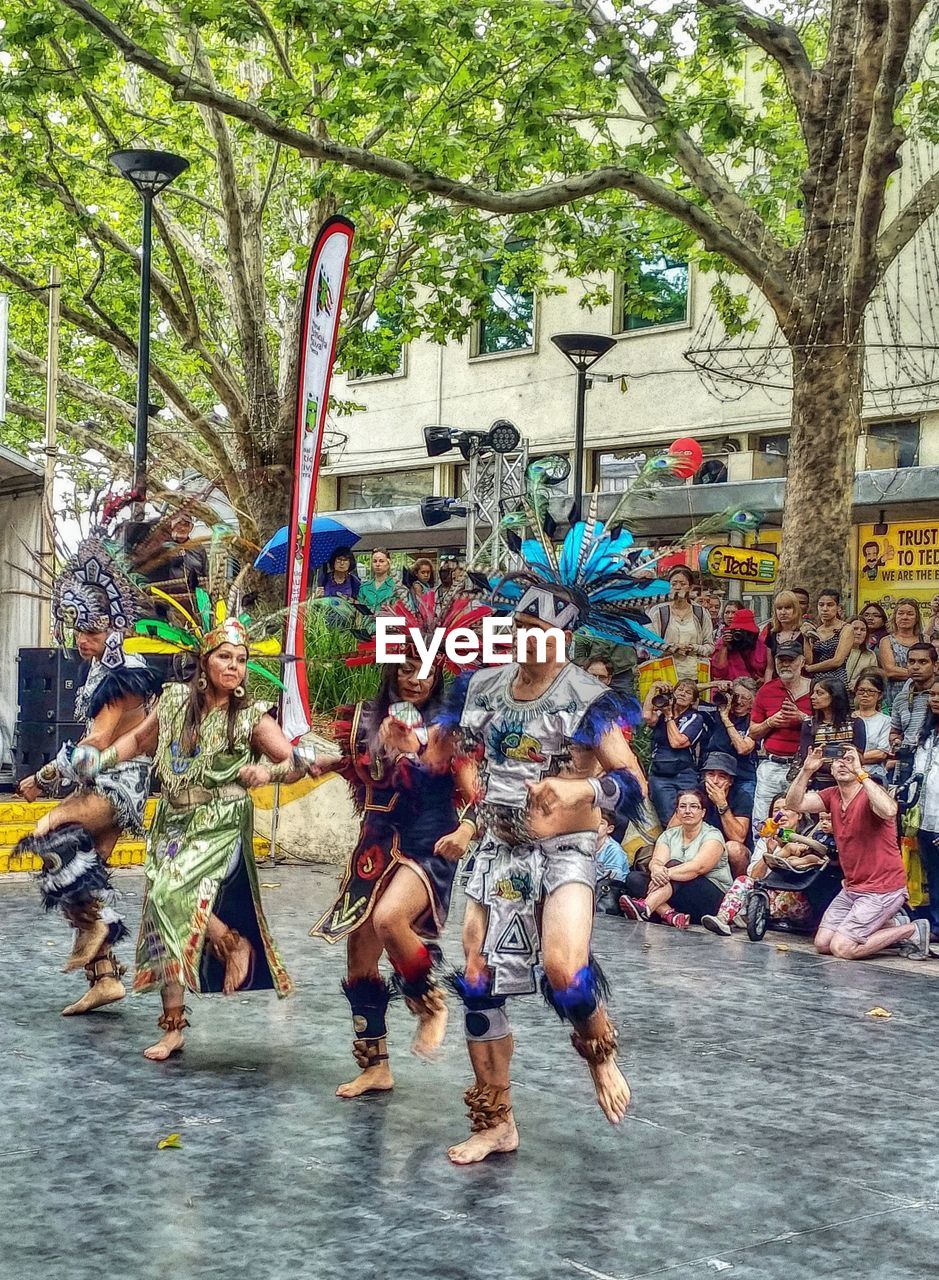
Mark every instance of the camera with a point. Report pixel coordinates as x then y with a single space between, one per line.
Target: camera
833 751
661 701
720 700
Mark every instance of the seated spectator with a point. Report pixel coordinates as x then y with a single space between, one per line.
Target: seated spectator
860 659
612 865
868 708
676 726
689 872
740 651
864 823
911 702
787 907
926 770
718 775
730 728
831 727
338 576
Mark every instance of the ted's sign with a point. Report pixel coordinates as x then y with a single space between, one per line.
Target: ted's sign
741 563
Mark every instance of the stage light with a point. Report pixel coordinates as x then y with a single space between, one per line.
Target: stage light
436 510
503 436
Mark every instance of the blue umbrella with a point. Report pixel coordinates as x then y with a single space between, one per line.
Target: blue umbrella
328 536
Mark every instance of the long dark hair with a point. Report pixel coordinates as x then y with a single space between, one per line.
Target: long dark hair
841 711
197 708
931 722
387 694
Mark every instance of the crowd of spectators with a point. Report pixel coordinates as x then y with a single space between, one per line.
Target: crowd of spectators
806 764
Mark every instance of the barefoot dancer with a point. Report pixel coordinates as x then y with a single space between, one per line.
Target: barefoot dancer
203 927
531 894
94 598
414 793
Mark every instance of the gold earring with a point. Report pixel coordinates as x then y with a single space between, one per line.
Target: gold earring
202 683
239 691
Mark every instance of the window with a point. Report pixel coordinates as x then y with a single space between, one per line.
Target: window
507 322
893 444
656 295
380 339
385 489
617 471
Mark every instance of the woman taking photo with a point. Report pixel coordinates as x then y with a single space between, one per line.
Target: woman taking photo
685 626
905 629
676 726
860 659
202 927
830 641
689 872
868 708
785 628
832 727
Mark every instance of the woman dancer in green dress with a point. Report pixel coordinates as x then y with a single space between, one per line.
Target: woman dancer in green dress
203 927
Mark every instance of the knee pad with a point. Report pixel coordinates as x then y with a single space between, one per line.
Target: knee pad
581 998
486 1024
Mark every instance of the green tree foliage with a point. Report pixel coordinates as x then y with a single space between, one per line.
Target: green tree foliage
759 141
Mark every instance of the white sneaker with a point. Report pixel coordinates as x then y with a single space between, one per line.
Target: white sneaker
717 925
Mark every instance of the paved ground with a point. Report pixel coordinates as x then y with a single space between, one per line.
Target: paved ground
777 1129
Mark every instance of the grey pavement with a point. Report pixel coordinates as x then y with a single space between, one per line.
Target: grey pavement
777 1129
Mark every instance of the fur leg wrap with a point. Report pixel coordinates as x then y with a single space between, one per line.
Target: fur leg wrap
72 870
173 1019
368 998
487 1106
421 994
104 967
579 1001
596 1049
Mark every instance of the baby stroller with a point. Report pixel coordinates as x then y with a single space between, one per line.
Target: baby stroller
817 885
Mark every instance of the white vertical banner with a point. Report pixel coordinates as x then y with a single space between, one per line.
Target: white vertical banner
4 343
319 329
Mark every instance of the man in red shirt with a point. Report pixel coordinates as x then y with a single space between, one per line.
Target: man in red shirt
859 922
779 710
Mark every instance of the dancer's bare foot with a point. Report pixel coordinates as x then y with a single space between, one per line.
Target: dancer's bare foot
237 965
168 1044
613 1093
431 1029
105 991
488 1142
88 943
377 1079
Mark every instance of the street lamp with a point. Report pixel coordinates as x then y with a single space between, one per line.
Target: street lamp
150 172
582 350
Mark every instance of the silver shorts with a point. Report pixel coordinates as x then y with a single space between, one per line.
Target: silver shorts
511 881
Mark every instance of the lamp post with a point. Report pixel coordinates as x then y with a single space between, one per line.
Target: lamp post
582 350
150 172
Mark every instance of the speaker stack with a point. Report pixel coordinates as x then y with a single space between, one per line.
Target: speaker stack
47 683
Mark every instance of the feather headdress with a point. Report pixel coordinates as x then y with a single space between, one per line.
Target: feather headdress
597 583
211 626
434 612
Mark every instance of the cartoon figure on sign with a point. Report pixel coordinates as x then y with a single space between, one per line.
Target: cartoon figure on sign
301 539
874 560
311 414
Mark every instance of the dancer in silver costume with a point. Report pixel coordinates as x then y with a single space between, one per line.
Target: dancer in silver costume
553 759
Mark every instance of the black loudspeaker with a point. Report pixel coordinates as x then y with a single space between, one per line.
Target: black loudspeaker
48 682
36 742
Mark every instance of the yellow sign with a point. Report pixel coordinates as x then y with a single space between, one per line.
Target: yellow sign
904 561
745 564
661 670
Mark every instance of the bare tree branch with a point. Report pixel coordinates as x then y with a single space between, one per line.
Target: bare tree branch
898 233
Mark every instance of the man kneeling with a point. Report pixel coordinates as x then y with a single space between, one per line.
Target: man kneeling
860 921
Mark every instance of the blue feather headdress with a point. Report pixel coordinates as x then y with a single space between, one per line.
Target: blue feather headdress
596 584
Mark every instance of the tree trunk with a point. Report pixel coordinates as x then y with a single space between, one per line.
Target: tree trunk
827 382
